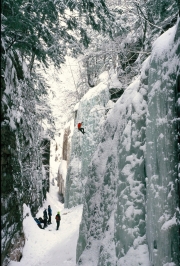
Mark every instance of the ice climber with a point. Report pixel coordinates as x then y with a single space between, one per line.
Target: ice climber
58 219
81 128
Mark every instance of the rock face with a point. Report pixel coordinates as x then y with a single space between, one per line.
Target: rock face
11 206
24 153
66 145
131 203
61 183
62 170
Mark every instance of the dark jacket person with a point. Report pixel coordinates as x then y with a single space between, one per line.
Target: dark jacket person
49 214
58 219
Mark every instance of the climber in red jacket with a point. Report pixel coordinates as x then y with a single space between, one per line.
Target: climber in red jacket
81 128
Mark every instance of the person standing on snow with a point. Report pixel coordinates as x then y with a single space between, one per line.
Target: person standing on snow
80 128
49 214
45 217
58 219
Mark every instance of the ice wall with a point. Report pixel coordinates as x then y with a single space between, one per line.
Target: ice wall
91 111
114 210
161 150
130 213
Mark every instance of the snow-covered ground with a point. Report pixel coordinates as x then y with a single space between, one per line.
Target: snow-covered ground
48 246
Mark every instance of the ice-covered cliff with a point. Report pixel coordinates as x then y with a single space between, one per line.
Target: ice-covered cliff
91 111
162 150
131 204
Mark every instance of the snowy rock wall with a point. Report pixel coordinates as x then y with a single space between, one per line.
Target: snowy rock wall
64 161
130 213
24 178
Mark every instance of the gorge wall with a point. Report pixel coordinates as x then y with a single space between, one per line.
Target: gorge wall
131 195
25 152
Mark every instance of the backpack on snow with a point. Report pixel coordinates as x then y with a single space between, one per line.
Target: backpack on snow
58 217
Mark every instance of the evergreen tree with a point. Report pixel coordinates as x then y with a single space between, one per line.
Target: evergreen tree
137 24
45 30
